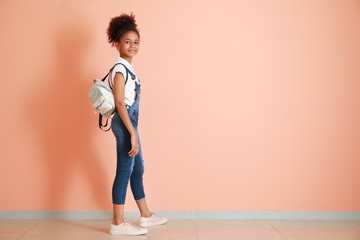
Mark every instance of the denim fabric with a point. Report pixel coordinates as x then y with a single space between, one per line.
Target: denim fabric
128 168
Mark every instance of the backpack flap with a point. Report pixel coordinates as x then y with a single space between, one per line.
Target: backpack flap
102 98
98 102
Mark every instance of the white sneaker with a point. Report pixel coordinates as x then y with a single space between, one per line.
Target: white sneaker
152 221
126 228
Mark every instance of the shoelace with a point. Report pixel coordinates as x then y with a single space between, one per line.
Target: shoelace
130 224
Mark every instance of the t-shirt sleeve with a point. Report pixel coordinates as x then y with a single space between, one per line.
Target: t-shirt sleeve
118 68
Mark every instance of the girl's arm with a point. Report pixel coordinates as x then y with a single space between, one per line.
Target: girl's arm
119 96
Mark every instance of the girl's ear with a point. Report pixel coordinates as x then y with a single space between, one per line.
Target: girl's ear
117 45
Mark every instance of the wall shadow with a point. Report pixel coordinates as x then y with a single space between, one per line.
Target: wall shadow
58 111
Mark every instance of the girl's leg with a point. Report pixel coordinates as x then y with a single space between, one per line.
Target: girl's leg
143 208
136 183
124 169
118 214
123 173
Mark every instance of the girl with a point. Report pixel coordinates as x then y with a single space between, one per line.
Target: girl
124 35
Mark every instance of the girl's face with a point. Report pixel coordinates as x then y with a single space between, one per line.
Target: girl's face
128 46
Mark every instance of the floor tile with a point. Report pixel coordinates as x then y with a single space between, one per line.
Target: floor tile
16 226
183 230
315 230
123 237
99 229
173 229
72 226
64 236
10 236
353 224
236 229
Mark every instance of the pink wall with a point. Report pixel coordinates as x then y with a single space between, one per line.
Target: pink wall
246 105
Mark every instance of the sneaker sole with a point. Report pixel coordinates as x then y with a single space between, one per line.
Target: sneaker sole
153 223
116 232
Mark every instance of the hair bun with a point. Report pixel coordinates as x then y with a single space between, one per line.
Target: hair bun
125 20
119 25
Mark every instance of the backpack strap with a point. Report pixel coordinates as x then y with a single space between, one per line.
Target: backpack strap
100 123
132 76
109 78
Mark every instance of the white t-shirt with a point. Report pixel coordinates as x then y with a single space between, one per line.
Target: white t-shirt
130 88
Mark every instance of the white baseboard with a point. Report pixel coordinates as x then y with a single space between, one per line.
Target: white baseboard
240 215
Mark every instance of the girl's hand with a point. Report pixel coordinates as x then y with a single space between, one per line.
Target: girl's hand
134 145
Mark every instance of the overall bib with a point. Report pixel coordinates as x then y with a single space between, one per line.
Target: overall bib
128 168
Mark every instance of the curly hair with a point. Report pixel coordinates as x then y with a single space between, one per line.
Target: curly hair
120 25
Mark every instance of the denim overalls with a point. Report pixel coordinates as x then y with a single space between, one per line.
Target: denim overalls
127 167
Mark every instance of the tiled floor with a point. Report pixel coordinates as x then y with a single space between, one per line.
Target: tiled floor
184 229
